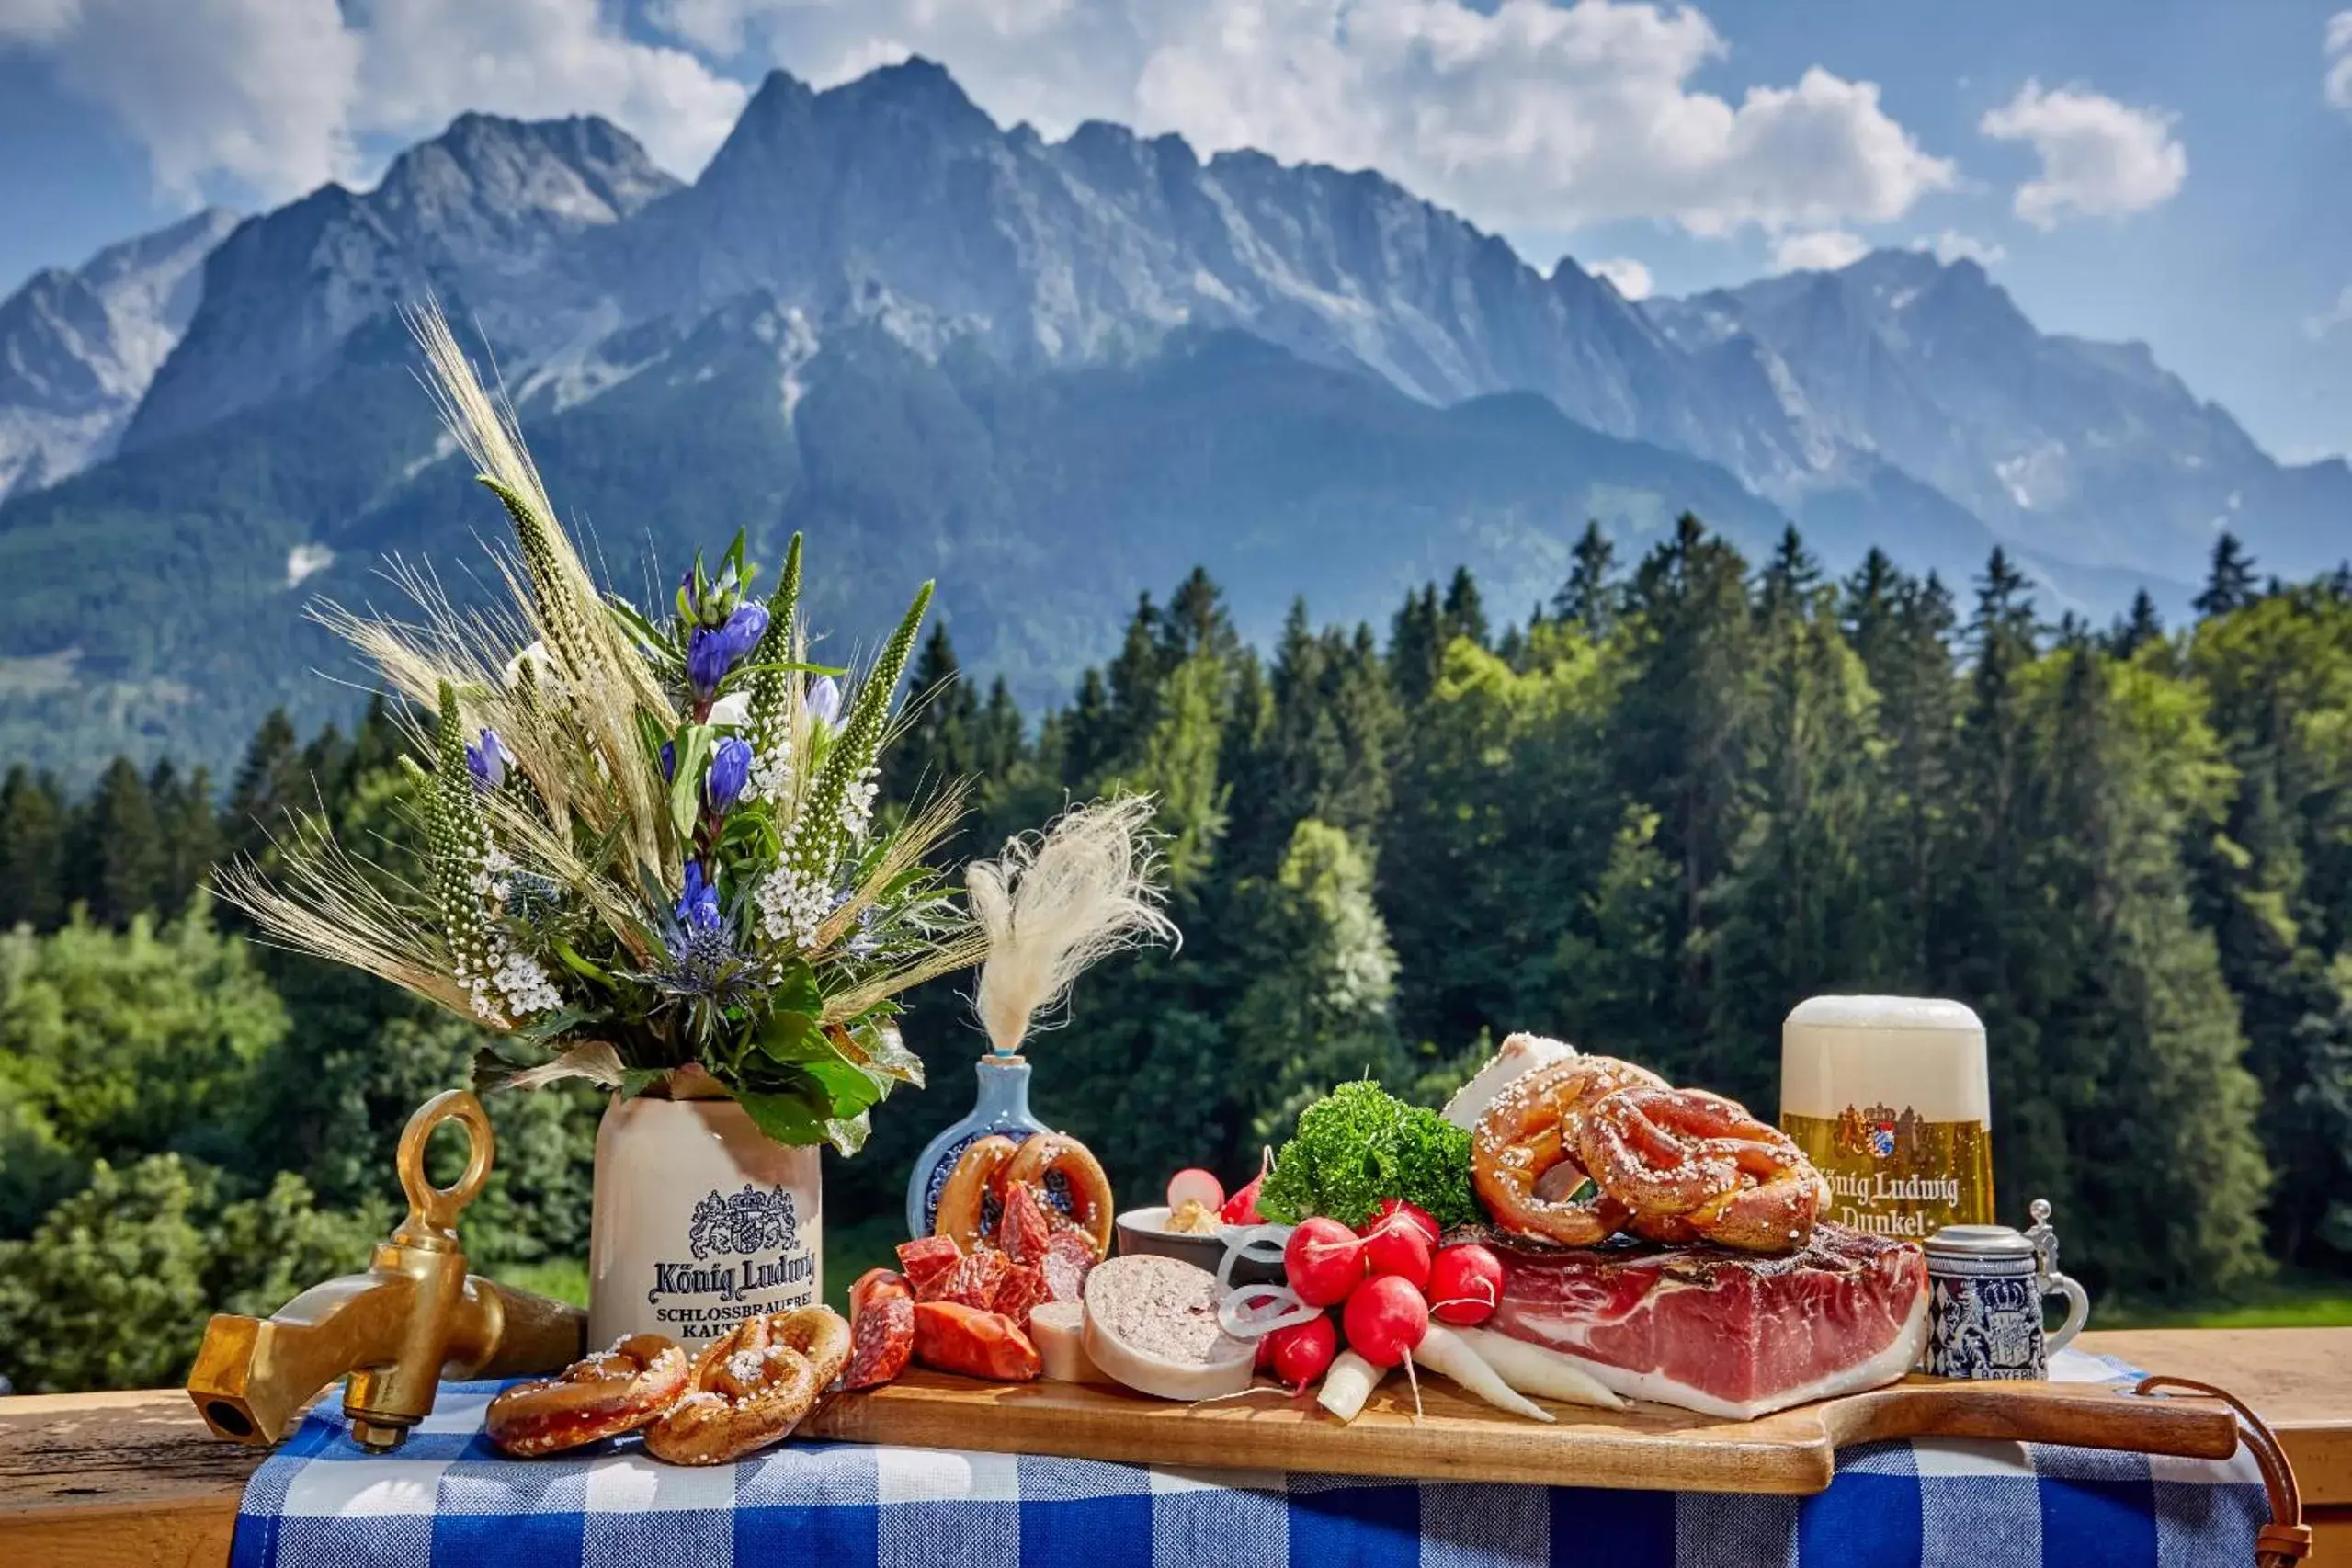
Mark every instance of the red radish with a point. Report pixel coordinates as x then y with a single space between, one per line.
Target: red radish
1385 1318
1240 1208
1396 1210
1396 1246
1195 1186
1323 1260
1465 1285
1302 1350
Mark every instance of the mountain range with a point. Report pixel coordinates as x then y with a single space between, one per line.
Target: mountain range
1053 374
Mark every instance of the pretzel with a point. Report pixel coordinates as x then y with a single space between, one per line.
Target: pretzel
598 1397
1524 1158
751 1386
1090 1200
1693 1165
978 1175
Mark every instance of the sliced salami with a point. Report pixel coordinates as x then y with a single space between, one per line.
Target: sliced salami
1069 1258
1024 1229
929 1260
882 1328
977 1280
1024 1287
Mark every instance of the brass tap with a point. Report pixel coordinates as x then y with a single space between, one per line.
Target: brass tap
414 1318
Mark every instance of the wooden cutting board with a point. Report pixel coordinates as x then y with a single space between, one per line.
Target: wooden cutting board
1457 1438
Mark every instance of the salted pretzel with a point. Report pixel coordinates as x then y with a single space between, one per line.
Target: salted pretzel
601 1396
1694 1166
1524 1158
979 1176
1048 1154
995 1165
751 1386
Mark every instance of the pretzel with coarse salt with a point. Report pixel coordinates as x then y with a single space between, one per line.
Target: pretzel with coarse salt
751 1386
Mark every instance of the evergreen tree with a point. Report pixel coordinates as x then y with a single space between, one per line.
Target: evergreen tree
119 847
189 831
2140 628
269 785
1417 647
1464 614
1589 597
32 851
1680 735
942 716
2230 582
1319 983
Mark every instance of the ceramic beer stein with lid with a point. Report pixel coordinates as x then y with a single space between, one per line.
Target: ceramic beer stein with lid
1986 1284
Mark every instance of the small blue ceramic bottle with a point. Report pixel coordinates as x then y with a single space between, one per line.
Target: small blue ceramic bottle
1002 1106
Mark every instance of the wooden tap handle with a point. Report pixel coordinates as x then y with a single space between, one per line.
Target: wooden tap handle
2286 1539
435 1208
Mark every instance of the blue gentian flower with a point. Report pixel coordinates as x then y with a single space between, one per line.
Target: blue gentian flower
730 770
487 761
697 908
824 701
669 759
708 660
743 631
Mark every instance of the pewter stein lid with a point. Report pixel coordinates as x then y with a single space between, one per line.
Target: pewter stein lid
1981 1242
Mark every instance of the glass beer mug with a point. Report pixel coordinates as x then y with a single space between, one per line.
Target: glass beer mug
1887 1095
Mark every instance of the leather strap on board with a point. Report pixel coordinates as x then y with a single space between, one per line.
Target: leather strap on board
2286 1540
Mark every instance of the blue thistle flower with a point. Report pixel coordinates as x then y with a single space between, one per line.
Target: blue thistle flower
730 771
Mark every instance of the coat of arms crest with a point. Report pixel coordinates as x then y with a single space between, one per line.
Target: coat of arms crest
744 1223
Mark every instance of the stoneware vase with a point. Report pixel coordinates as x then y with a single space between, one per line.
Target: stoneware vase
701 1222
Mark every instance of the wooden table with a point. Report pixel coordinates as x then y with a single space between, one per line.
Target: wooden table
101 1480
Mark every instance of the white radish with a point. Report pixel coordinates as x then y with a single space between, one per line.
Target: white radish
1532 1369
1348 1384
1443 1351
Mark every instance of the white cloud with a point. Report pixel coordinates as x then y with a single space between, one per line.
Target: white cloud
2099 158
1824 250
275 94
258 90
1527 114
2337 51
1627 276
1952 245
2338 314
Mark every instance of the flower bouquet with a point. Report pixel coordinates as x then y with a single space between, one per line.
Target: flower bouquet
654 856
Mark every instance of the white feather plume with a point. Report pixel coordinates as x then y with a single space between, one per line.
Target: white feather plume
1053 903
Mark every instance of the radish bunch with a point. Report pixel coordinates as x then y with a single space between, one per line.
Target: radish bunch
1387 1281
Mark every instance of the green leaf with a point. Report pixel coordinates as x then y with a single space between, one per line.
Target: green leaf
852 1088
794 988
798 1118
694 743
793 1037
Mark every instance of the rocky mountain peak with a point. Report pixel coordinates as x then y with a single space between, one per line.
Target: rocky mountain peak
79 347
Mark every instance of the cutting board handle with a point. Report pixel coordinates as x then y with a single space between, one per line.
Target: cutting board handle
2286 1539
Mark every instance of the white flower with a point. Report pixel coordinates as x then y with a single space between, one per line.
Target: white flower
734 709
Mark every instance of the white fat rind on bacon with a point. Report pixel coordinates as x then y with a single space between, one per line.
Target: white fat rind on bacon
1900 1356
1519 1054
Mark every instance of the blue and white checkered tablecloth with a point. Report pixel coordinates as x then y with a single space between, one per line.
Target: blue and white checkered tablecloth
447 1499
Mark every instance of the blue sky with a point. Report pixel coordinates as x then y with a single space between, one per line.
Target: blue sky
2171 172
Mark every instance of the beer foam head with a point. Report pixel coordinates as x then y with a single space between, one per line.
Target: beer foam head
1917 1052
